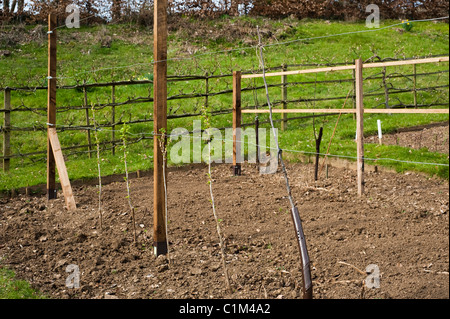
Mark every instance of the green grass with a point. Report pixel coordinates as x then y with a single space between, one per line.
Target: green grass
11 288
80 52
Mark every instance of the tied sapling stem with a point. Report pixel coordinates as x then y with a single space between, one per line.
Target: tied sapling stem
97 142
216 218
163 146
124 132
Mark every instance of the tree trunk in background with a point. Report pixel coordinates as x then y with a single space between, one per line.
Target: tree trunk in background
226 9
351 10
234 8
116 9
20 7
13 6
6 6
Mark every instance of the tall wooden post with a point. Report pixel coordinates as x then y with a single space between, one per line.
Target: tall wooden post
359 124
7 131
237 119
51 105
159 124
284 99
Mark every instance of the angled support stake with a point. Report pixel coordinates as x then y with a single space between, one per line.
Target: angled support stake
62 170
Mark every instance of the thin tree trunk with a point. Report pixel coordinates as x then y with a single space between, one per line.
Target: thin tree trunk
20 6
13 6
6 6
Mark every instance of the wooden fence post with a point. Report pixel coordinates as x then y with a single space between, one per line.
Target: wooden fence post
284 122
7 131
354 90
51 105
257 139
159 123
113 119
88 122
415 85
386 89
237 119
206 90
360 125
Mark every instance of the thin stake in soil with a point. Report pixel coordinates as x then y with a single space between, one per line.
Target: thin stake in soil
317 138
334 131
318 142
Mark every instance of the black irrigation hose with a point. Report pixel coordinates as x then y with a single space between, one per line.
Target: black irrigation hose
306 270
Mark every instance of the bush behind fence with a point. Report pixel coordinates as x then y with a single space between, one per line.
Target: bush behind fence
141 11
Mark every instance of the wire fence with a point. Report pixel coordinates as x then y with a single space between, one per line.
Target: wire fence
399 88
129 102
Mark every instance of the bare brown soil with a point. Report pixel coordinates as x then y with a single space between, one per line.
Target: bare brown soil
401 225
435 139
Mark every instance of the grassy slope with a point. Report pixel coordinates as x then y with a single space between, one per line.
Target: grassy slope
80 52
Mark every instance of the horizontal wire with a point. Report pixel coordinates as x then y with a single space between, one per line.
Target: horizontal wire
152 134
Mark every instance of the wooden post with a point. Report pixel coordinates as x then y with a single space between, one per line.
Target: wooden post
284 98
62 170
206 90
113 119
257 139
386 89
258 149
7 131
354 91
360 125
159 123
237 119
415 85
51 105
88 122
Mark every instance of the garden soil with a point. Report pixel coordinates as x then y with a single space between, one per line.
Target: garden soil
399 226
